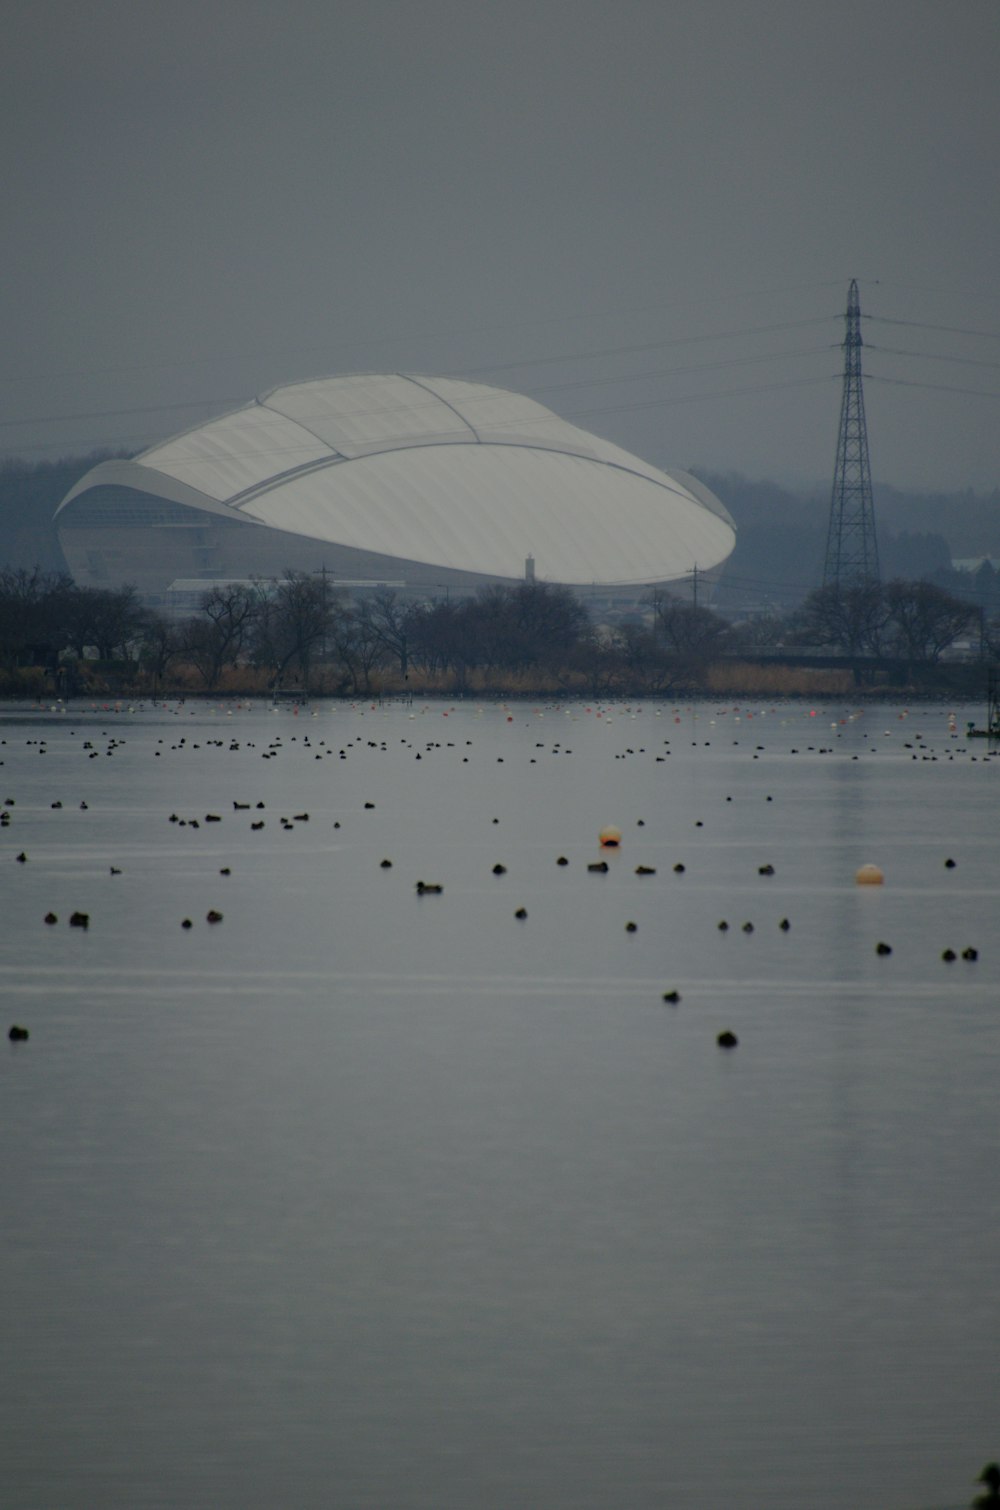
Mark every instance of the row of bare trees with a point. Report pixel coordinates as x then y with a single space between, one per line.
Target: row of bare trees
909 621
43 614
289 626
283 630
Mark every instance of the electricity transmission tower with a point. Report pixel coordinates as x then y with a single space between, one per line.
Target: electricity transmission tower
851 547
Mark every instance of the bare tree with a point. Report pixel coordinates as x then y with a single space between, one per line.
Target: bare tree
850 619
647 664
293 623
31 609
546 622
221 633
763 631
600 657
358 642
160 646
444 638
695 633
924 620
393 622
108 619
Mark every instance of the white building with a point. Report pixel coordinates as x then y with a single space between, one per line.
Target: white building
432 484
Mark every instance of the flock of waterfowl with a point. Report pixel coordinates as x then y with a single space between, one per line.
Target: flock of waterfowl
608 838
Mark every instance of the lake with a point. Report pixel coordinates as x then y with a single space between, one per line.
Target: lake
385 1201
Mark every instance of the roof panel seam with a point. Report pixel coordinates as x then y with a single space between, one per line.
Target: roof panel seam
428 389
294 420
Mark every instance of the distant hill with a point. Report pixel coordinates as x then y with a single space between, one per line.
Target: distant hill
30 493
781 536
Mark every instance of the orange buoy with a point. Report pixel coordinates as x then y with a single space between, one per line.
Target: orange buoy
610 836
869 875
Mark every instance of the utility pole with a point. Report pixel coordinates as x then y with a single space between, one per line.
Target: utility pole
851 545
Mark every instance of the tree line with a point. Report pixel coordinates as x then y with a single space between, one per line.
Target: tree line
283 631
300 632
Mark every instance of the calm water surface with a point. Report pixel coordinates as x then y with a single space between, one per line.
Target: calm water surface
364 1199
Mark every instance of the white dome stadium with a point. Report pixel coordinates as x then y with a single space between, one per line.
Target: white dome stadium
422 481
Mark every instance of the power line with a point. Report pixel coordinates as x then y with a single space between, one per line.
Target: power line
586 356
932 387
658 403
952 330
930 356
635 377
692 398
209 403
59 419
436 335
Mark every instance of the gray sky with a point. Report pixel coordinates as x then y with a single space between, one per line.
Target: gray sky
644 213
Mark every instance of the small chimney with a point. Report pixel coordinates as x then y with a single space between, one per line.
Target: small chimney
529 568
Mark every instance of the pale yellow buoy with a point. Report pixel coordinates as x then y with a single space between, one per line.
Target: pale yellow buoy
610 836
869 875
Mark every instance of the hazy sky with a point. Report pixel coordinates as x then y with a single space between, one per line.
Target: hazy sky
644 213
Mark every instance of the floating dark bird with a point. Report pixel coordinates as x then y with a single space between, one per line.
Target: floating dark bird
727 1040
79 920
17 1034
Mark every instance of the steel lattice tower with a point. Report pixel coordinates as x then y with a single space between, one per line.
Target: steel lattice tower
851 546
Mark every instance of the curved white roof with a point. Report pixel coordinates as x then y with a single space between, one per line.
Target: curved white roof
442 471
